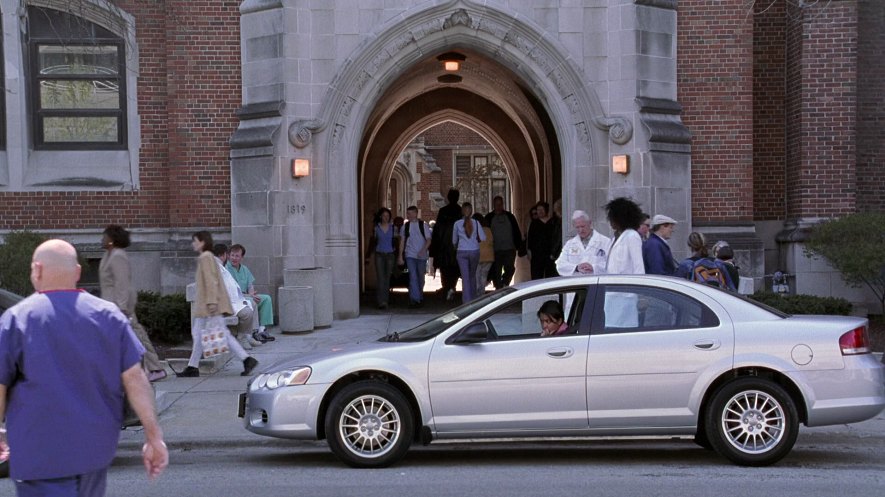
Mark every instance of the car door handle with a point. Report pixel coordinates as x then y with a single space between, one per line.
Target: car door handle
560 352
707 344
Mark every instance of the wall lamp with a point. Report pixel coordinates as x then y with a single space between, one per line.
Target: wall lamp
300 168
621 164
451 61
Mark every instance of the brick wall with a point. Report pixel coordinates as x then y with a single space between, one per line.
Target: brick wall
188 94
449 137
715 78
871 106
769 134
821 109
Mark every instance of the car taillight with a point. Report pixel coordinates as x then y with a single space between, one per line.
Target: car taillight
855 342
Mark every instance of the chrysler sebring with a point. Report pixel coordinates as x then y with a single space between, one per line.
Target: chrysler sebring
580 357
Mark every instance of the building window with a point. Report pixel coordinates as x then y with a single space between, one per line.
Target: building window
480 178
77 83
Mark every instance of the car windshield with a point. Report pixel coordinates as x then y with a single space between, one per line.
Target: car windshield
442 322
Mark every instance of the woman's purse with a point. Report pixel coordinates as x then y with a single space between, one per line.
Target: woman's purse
213 337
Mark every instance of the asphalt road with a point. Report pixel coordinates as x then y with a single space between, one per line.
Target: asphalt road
837 461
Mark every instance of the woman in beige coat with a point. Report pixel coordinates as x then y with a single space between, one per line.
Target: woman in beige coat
115 278
212 300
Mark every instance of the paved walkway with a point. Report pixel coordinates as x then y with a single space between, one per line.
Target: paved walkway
202 411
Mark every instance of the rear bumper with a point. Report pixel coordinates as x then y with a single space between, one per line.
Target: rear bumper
849 395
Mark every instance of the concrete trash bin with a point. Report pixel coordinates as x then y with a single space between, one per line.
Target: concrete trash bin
320 279
296 309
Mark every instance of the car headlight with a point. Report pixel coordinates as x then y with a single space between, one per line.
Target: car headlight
287 377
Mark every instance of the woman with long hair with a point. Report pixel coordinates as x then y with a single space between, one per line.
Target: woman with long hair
381 244
467 235
115 278
625 254
212 300
698 246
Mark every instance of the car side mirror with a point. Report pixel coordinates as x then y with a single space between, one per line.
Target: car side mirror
475 333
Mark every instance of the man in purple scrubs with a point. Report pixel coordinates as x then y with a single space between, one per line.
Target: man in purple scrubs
66 358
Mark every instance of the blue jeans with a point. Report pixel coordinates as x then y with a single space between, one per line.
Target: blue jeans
85 485
417 269
468 260
384 262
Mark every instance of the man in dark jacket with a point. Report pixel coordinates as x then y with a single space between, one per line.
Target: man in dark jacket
441 247
505 238
656 252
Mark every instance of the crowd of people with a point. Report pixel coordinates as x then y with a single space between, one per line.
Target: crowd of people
479 250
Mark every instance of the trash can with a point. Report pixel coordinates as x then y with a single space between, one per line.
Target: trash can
296 309
320 279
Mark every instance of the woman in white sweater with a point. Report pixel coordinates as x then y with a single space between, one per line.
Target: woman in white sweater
624 257
467 235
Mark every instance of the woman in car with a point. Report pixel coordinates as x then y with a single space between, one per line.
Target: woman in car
552 319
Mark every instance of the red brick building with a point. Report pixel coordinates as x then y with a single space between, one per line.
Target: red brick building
785 105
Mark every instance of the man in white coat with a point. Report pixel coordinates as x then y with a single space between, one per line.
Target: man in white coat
587 252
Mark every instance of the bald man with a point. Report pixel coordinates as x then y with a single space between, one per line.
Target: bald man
66 358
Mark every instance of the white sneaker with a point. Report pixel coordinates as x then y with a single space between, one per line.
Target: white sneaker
253 341
245 343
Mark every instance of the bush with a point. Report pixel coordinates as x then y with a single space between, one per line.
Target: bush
16 254
854 245
167 318
803 304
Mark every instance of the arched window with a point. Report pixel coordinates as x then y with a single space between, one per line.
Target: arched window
77 83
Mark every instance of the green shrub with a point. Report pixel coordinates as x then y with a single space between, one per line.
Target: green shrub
16 253
803 304
167 318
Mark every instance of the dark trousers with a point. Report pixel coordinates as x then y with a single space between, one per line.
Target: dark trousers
542 266
449 276
85 485
503 268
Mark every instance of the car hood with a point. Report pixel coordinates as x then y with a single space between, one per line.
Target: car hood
336 353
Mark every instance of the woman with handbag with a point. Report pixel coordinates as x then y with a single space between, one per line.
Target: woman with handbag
213 303
115 278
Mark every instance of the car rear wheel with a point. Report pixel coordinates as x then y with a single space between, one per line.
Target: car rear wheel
369 425
752 422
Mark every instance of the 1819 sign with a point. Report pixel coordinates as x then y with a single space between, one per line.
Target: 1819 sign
298 209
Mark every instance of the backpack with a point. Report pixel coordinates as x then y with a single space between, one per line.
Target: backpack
707 271
420 227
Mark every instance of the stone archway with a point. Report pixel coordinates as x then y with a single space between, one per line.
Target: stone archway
582 129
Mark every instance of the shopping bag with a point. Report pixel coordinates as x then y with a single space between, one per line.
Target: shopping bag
214 337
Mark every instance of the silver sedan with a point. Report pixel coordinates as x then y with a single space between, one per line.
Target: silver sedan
581 357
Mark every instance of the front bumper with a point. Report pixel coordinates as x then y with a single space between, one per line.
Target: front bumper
286 412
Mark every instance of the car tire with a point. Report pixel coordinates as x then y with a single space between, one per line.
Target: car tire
752 422
369 424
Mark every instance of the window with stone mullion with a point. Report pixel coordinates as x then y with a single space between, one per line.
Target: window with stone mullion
77 80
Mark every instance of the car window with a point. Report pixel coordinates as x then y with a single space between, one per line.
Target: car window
627 308
442 322
519 320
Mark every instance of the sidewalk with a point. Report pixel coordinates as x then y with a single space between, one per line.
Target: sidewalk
202 411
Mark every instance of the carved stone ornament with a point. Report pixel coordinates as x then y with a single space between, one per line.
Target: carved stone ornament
460 17
301 132
620 129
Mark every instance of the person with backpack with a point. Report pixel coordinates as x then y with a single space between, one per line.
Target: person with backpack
701 268
413 252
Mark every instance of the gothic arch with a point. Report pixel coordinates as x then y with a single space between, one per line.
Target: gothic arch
533 54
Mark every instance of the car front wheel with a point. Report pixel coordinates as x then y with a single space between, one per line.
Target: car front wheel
369 424
752 422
